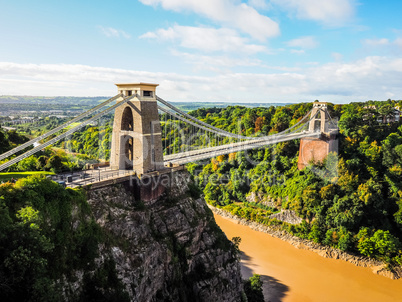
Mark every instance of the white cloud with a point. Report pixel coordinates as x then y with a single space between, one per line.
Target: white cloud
369 78
259 4
222 64
376 42
114 33
217 64
337 56
383 45
206 39
328 12
373 77
303 42
298 51
398 42
227 12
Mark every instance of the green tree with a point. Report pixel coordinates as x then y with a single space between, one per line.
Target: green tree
315 233
253 289
345 239
41 162
55 163
392 149
280 120
385 244
381 245
236 242
365 246
27 164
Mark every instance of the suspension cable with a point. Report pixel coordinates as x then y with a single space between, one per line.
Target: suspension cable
63 135
193 118
57 129
194 124
225 133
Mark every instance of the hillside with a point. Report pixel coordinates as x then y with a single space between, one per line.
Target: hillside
352 201
105 245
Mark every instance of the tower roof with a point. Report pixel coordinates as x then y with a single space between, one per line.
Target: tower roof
136 85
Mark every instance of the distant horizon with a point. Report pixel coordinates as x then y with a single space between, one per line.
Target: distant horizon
189 101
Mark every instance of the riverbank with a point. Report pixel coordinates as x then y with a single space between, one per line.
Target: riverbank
377 267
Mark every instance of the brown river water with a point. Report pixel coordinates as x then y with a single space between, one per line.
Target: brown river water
291 274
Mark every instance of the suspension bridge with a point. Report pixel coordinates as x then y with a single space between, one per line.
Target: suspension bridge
150 134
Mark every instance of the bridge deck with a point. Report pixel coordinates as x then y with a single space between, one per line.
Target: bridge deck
196 155
106 176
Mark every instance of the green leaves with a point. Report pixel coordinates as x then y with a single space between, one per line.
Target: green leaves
37 242
359 187
381 245
236 242
28 215
392 149
253 289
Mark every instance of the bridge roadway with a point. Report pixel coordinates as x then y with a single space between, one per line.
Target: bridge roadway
204 153
102 174
85 177
81 178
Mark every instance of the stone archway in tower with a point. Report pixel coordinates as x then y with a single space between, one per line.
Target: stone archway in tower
127 120
127 146
126 139
317 121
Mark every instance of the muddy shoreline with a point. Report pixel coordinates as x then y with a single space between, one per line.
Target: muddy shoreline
377 267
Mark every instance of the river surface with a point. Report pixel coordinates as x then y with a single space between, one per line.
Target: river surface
291 274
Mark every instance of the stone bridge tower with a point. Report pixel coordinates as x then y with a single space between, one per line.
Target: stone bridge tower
317 149
136 138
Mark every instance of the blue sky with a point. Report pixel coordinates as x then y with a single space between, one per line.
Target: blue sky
210 50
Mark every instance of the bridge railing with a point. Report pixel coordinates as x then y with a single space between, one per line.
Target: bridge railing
204 136
86 177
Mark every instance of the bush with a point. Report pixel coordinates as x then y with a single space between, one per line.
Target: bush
253 289
194 191
38 243
381 245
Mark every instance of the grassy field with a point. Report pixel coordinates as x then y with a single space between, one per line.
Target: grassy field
72 125
9 175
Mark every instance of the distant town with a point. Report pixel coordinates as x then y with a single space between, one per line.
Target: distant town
20 110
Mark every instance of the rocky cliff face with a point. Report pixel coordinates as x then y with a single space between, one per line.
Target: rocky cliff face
169 249
288 216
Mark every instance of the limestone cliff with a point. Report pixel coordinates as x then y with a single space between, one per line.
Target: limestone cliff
166 249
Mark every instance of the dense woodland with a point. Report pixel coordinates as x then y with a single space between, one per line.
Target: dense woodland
39 246
352 201
48 159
